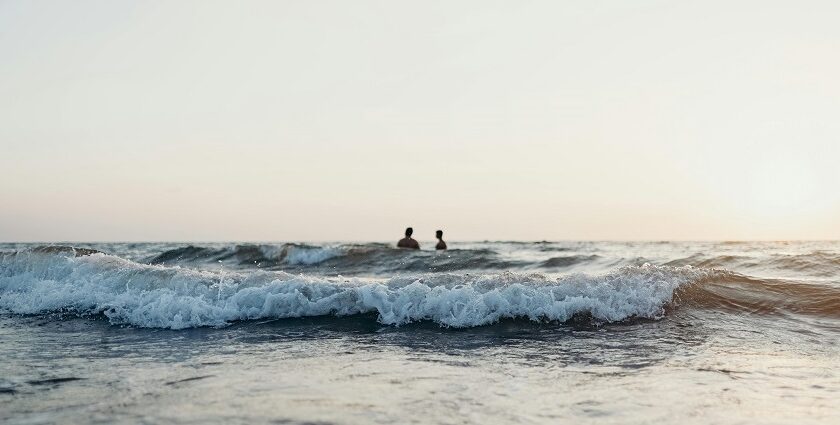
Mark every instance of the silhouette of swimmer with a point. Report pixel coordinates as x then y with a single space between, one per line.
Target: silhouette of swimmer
441 244
407 241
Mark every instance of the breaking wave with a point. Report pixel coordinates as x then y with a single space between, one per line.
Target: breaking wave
126 292
159 296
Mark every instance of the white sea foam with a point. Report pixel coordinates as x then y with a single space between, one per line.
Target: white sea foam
173 297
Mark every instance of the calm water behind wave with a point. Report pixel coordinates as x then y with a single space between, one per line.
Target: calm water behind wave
492 332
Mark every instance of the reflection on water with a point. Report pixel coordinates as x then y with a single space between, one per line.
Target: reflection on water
336 370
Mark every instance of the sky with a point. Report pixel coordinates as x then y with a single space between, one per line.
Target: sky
338 120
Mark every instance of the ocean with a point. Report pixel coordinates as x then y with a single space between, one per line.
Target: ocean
360 333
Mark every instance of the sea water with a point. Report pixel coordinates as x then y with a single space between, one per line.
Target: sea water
486 332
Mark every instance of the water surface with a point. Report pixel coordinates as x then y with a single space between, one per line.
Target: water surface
490 332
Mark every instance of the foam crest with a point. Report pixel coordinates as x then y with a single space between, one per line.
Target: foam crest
173 297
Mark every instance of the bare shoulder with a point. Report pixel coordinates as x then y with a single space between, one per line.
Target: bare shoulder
408 243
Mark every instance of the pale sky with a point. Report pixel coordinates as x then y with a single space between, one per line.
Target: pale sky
350 120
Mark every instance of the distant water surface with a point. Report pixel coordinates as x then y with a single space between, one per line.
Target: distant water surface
488 332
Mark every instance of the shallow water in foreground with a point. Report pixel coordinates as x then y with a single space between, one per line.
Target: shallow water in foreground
740 338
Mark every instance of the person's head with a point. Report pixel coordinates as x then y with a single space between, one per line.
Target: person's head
408 232
439 234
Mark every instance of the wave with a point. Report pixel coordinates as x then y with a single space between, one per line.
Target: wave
816 263
762 296
377 259
349 259
566 261
293 254
143 295
159 296
715 261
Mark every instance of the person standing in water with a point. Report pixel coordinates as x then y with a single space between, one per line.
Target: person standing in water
441 244
407 241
